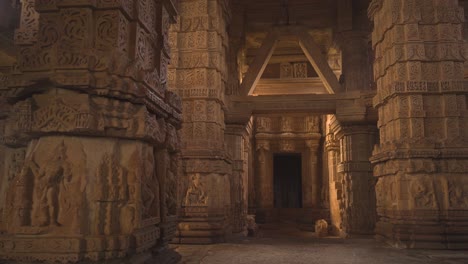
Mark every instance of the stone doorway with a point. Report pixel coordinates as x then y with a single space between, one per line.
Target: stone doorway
289 179
287 173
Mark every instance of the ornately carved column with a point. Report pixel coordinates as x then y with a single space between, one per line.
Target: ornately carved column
312 187
352 126
235 143
88 116
332 147
264 182
421 160
198 74
358 195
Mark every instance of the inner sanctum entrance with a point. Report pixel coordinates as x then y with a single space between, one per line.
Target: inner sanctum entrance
290 183
287 173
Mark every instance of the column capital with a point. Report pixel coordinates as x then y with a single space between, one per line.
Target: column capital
357 129
262 145
345 37
331 143
312 144
235 129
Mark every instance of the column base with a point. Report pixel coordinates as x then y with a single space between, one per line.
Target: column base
111 249
198 226
423 234
168 229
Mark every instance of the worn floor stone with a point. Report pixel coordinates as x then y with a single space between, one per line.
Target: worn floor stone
295 247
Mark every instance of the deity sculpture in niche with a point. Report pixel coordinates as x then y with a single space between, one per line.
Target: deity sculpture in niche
49 180
196 195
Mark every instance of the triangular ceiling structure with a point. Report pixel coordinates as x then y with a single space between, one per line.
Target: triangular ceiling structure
310 49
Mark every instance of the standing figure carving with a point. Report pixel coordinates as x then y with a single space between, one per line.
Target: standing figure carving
423 194
49 179
148 197
171 186
196 195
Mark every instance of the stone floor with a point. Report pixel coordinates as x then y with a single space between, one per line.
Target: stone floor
290 246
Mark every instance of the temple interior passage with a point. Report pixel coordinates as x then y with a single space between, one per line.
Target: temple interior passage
233 131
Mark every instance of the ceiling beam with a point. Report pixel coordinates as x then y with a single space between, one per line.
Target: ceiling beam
318 61
310 103
258 65
348 105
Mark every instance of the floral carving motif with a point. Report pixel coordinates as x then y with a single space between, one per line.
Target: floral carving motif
57 116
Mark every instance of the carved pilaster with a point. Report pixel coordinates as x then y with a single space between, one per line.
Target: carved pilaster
357 184
332 147
235 139
312 185
264 177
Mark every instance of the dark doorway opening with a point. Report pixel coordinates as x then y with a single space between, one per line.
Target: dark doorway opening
287 175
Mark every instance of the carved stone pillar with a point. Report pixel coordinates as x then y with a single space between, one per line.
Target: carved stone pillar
332 147
264 183
250 159
312 185
358 195
355 66
235 135
421 160
198 74
88 113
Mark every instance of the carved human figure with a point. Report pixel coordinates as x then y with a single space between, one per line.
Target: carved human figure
312 123
423 196
49 178
457 195
286 70
286 124
15 164
195 193
171 186
147 198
